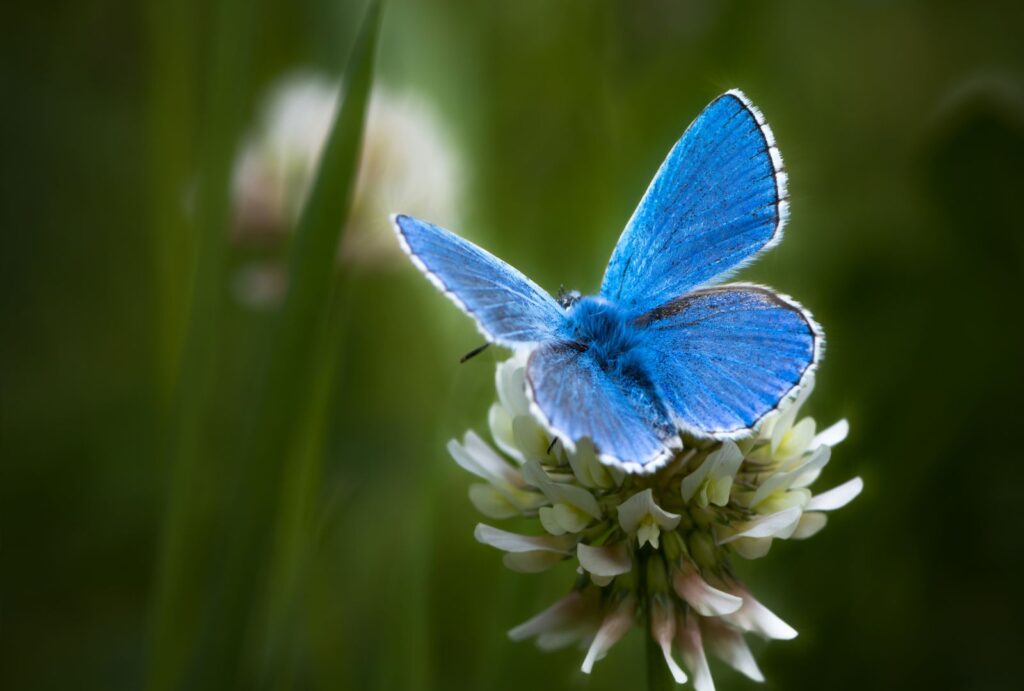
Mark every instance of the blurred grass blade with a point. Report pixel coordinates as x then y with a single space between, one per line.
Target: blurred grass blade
237 617
179 576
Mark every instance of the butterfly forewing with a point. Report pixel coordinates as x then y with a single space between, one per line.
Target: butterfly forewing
718 199
509 308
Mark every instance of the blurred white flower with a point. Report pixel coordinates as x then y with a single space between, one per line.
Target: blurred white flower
407 163
652 549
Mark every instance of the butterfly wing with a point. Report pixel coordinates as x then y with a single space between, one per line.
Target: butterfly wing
509 308
717 200
577 399
722 358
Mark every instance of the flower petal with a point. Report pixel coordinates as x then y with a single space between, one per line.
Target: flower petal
514 542
663 631
779 524
510 381
476 456
810 524
832 435
794 442
568 612
691 648
633 510
837 497
752 547
755 617
490 502
572 519
531 562
607 560
784 422
808 471
704 598
729 645
721 463
560 492
549 521
500 422
613 628
797 477
589 471
531 439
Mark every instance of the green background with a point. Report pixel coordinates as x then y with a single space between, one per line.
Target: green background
902 124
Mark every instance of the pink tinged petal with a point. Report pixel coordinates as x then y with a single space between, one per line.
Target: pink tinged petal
607 561
636 508
663 631
691 648
836 498
810 524
568 612
704 598
531 562
779 524
613 628
756 618
728 644
556 640
514 542
833 435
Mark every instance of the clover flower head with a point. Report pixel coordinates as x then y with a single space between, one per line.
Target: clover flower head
274 172
652 550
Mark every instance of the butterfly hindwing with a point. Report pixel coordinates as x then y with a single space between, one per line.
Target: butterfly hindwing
718 199
722 358
509 308
578 399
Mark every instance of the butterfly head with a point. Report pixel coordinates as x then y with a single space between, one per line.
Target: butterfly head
568 298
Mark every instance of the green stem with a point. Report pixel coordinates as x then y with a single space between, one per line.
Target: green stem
658 676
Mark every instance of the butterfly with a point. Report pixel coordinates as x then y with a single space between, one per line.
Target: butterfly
663 348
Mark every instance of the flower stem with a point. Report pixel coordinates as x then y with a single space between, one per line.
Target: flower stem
658 676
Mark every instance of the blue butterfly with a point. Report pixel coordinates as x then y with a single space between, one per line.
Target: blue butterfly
661 349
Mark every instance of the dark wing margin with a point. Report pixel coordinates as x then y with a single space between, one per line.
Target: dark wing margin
717 201
723 358
509 308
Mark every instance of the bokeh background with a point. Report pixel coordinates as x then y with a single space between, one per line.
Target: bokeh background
902 124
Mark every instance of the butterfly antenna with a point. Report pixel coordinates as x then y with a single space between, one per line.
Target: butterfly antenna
473 353
552 445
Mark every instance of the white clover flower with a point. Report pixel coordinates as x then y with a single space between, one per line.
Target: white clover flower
274 171
651 549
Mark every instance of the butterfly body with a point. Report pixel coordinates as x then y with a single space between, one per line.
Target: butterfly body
605 329
662 349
